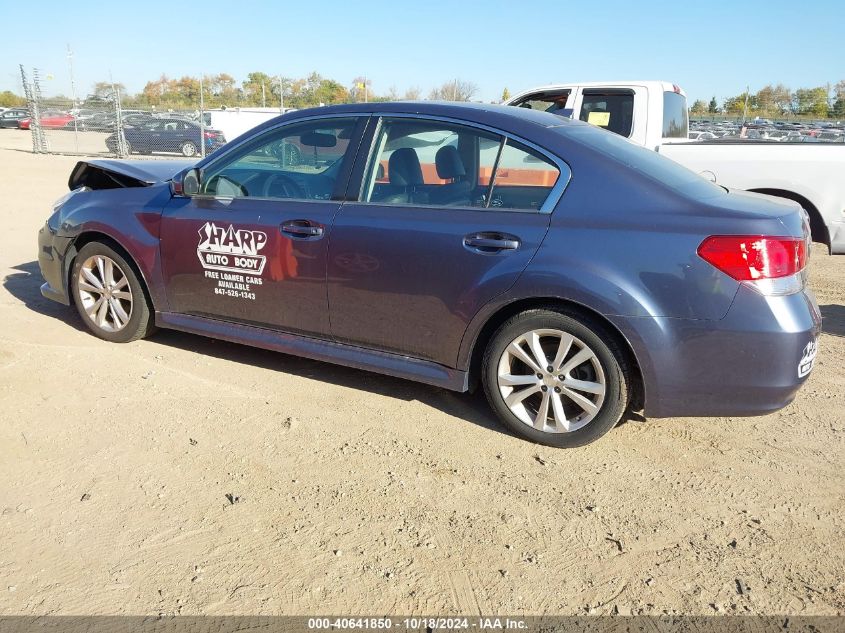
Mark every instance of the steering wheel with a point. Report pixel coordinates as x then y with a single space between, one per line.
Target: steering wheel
287 153
289 187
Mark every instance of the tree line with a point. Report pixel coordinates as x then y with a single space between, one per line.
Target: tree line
263 89
258 89
779 100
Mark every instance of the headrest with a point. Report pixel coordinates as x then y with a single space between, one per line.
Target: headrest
403 168
449 163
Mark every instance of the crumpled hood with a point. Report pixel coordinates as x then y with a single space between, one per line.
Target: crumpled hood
113 174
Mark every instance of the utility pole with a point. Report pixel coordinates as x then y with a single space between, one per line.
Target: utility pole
745 107
281 95
365 90
263 96
39 141
73 96
202 120
122 146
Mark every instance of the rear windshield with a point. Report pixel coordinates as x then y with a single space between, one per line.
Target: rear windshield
645 161
675 116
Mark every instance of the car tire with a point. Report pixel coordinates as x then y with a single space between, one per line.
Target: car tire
189 149
585 394
127 315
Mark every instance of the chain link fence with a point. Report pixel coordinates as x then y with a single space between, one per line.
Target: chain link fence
102 124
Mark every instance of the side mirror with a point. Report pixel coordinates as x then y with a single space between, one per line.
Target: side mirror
191 183
186 183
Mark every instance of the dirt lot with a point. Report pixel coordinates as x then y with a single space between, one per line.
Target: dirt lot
183 475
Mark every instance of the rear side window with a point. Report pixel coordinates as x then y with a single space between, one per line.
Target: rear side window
431 163
443 164
612 110
524 178
675 116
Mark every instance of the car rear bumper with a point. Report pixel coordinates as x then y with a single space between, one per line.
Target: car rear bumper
52 255
751 362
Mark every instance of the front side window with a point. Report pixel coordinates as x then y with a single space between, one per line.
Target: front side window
612 110
429 163
299 161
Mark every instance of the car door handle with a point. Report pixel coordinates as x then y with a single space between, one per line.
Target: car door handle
491 242
301 229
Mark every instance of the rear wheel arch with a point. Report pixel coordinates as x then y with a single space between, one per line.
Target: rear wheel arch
636 395
96 236
817 226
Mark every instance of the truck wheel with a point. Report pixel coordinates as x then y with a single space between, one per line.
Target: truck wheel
555 378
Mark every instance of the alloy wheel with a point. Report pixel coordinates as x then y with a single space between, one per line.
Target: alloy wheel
551 381
105 293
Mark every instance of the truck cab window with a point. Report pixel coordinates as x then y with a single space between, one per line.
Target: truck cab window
553 102
612 110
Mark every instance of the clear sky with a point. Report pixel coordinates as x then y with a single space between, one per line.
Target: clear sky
710 48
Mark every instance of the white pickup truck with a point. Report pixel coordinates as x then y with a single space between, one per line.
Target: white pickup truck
654 114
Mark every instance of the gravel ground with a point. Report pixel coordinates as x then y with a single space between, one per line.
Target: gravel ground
184 475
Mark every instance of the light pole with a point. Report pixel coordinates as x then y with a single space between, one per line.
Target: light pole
202 120
281 94
73 97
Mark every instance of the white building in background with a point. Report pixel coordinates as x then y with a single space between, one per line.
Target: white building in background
235 121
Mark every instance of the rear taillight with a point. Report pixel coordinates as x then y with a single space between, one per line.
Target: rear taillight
771 265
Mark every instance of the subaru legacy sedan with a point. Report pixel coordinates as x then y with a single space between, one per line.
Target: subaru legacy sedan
571 274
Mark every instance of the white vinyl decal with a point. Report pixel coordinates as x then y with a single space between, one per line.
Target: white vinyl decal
808 359
231 259
232 250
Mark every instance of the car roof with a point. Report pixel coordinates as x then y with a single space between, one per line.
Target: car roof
476 112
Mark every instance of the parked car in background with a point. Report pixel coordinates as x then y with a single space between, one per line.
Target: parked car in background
701 136
56 120
168 135
12 117
571 273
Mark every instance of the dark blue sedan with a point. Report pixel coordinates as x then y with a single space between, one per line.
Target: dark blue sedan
149 135
571 274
